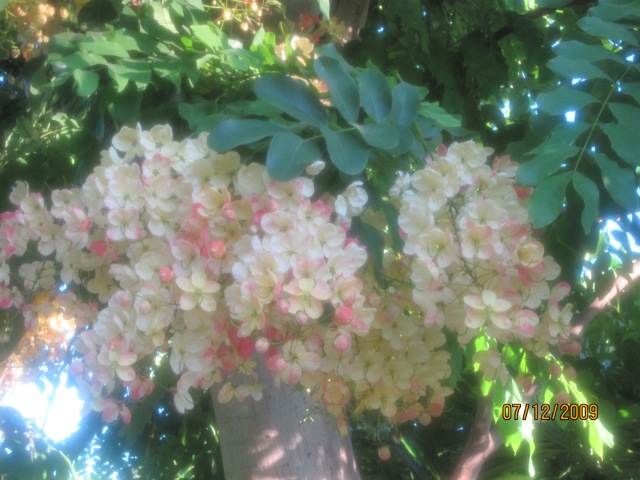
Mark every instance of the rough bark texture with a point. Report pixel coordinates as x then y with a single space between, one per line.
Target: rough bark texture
284 436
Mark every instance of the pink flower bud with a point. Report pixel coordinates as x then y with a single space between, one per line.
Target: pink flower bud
99 248
555 370
217 249
245 347
110 411
342 342
302 318
373 299
282 306
166 274
144 307
262 345
257 217
384 453
424 418
125 414
435 409
343 315
5 302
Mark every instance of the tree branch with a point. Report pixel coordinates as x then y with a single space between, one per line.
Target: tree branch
588 314
482 442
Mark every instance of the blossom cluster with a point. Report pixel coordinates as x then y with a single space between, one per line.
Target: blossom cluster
475 266
171 249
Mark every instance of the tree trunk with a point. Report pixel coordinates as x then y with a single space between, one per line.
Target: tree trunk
482 442
352 13
284 436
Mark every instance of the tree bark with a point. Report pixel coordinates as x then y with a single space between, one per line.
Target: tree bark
352 13
482 442
284 436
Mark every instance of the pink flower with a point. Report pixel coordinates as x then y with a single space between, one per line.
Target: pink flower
477 241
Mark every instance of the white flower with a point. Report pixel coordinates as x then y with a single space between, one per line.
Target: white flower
250 180
198 291
352 201
403 181
19 192
315 168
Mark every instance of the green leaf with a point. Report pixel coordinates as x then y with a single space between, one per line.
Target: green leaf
570 68
288 155
632 89
194 113
598 434
405 143
375 94
405 105
100 45
95 122
439 115
624 141
82 60
325 8
3 4
553 3
619 182
342 88
626 114
329 50
208 35
174 69
138 71
379 135
391 213
86 81
292 97
373 240
125 107
545 203
563 99
612 11
231 133
581 51
588 190
346 150
114 72
608 30
533 171
161 15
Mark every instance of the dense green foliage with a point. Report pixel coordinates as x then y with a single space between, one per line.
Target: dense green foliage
421 73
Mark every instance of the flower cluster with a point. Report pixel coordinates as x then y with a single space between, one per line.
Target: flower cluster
171 249
476 268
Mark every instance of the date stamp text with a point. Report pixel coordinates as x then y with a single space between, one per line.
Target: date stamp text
545 411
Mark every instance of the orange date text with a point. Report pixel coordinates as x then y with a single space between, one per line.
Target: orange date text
545 411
